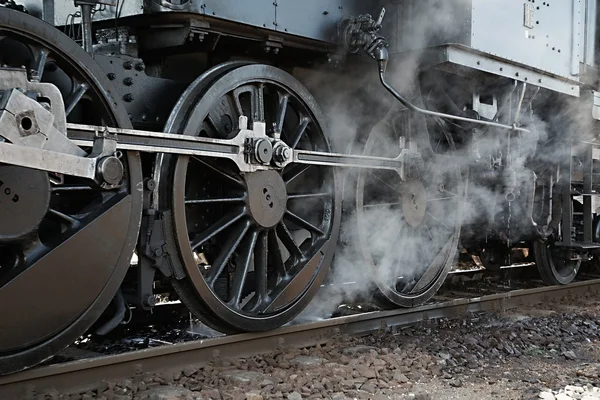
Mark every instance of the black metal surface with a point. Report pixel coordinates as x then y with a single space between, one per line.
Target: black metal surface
267 197
59 280
211 207
128 76
24 200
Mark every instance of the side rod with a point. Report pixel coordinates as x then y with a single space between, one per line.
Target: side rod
233 149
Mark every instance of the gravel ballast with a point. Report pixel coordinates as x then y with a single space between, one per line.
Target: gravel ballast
547 353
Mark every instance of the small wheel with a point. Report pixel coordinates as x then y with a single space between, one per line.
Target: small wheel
489 259
65 244
254 247
553 268
408 231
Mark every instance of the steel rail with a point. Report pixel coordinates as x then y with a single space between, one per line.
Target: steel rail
88 374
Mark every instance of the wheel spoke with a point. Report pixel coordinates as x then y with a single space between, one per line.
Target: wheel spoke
382 205
258 97
437 219
283 104
299 196
74 223
260 267
303 223
76 95
395 189
389 223
241 269
295 172
222 224
288 240
300 129
275 256
440 199
40 55
63 188
221 172
232 243
217 200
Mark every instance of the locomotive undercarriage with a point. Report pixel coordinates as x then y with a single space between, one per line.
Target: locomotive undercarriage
231 197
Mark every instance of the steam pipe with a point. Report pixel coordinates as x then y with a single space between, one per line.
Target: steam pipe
382 57
119 301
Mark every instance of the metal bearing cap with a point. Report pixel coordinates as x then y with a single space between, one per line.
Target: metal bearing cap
281 153
263 151
110 170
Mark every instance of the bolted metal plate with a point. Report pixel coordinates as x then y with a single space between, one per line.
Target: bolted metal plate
24 200
267 197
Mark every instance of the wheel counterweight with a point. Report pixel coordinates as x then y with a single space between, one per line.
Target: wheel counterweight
254 247
62 263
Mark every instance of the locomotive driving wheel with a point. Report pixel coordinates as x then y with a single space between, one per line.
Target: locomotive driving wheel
408 230
253 247
65 243
553 263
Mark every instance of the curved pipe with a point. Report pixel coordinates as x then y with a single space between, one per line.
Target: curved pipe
119 315
381 55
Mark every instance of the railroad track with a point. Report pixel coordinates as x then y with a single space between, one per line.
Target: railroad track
86 374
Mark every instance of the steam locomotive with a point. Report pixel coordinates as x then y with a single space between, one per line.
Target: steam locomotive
232 147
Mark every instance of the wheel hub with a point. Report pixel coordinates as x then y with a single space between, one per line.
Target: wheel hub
24 200
414 201
267 197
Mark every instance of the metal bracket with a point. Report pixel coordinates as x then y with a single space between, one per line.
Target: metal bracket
34 142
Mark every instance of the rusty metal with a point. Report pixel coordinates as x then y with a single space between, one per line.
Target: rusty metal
87 374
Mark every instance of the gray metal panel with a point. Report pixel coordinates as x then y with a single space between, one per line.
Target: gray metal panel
414 24
252 12
475 60
317 19
499 29
590 32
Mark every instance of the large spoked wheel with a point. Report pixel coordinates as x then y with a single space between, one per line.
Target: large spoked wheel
254 247
408 230
554 267
65 245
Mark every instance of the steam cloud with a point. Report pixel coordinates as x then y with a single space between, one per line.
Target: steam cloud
355 104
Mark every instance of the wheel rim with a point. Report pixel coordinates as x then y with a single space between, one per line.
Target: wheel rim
95 232
417 222
273 277
553 268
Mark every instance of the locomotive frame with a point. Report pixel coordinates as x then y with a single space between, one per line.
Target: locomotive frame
185 130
